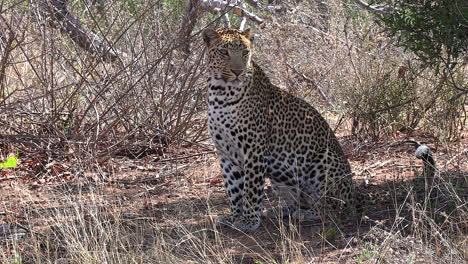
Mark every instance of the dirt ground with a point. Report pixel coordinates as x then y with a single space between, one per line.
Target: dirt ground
182 189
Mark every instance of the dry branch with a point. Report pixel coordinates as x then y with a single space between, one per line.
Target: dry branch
259 5
375 9
226 20
244 19
6 46
188 23
317 87
223 6
196 7
56 11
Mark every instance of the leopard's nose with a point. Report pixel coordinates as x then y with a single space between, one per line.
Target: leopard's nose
237 72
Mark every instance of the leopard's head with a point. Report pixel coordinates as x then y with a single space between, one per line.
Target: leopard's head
229 53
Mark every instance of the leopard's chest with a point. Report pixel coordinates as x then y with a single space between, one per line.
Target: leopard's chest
223 122
225 119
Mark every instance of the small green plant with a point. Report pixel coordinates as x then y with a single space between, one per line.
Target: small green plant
365 255
10 163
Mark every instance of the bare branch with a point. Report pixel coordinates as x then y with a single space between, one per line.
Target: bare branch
244 19
193 11
256 4
375 9
85 38
307 79
188 24
458 95
220 6
226 20
259 5
6 46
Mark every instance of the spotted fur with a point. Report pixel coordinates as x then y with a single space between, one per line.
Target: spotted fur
260 130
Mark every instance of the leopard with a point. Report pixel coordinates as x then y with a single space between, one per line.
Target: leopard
261 131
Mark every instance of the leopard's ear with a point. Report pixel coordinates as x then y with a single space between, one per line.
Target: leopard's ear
209 35
248 33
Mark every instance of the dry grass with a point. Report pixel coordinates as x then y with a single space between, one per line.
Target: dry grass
169 220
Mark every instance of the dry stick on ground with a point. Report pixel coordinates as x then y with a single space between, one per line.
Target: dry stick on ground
458 155
186 156
56 11
151 178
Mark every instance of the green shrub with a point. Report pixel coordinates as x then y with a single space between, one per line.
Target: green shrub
436 31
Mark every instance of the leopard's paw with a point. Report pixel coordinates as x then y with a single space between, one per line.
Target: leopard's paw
226 220
247 224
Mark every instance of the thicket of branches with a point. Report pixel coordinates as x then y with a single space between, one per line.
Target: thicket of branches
104 77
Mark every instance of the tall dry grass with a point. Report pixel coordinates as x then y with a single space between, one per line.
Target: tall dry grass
87 227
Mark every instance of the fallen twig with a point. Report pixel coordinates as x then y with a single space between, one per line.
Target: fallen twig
9 178
463 152
185 157
373 165
149 179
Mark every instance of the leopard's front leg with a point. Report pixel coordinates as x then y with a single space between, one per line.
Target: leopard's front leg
254 181
233 177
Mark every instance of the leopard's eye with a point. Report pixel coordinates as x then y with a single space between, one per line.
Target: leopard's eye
246 52
224 52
